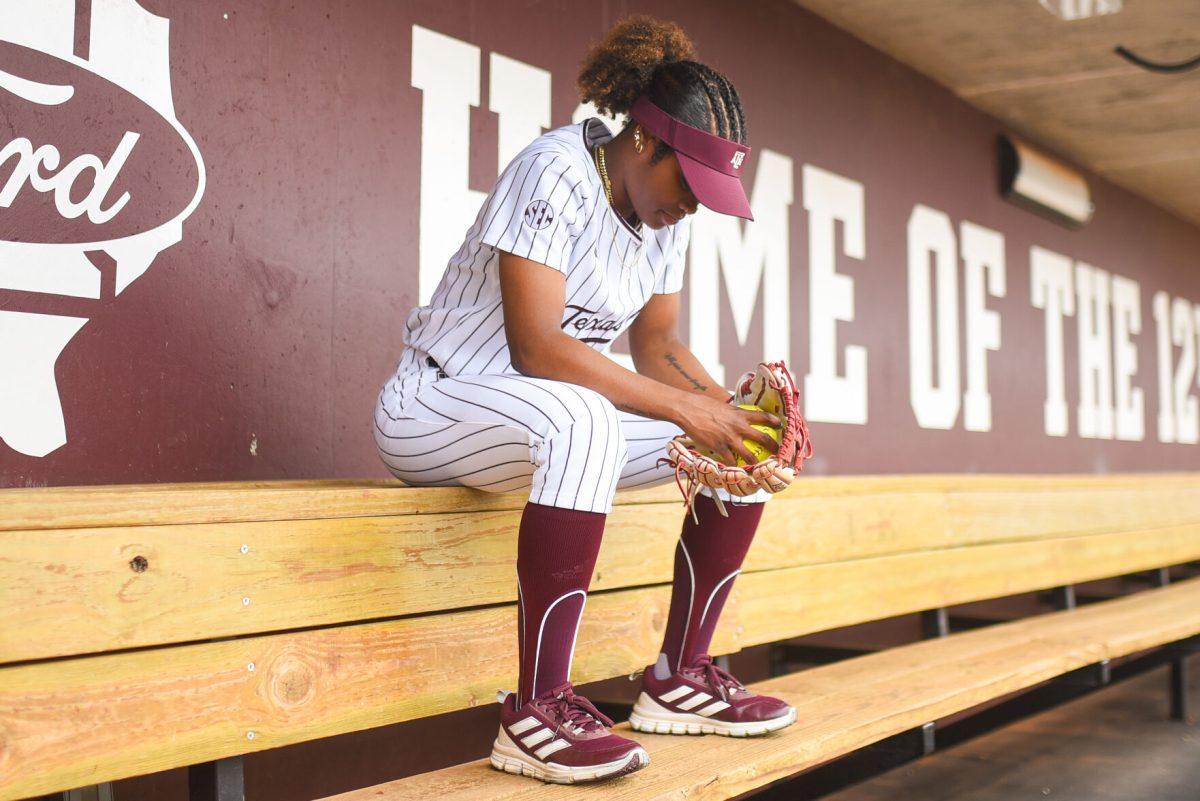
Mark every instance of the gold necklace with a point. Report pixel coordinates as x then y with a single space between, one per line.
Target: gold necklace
599 152
604 173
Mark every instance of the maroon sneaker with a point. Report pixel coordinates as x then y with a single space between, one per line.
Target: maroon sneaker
561 737
702 698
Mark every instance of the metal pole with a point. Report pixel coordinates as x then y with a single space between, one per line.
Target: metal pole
1179 686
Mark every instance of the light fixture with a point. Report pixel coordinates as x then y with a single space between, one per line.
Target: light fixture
1039 183
1080 9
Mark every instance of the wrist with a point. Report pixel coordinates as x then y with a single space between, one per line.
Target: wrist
683 409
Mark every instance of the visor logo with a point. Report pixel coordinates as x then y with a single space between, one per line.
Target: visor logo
736 161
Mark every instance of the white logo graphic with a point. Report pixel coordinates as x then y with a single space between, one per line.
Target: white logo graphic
538 214
55 249
736 161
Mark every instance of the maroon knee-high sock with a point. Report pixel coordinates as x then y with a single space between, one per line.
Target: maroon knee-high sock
707 559
556 553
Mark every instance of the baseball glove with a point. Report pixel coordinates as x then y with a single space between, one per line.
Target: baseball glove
769 386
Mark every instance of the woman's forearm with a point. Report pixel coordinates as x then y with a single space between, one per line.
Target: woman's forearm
671 362
564 358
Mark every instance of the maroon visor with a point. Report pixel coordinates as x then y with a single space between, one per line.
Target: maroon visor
712 165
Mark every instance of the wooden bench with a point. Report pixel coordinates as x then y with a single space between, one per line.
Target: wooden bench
205 621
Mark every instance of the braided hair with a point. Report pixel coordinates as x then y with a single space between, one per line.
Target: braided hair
642 55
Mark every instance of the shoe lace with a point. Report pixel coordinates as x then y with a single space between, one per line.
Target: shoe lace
715 676
581 713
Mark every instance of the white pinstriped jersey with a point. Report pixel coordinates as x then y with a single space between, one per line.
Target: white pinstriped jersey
549 206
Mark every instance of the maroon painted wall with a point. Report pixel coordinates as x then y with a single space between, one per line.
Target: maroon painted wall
254 347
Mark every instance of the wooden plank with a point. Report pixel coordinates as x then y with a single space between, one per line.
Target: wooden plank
1174 184
1058 82
848 705
803 529
216 502
223 502
974 45
998 516
194 703
778 604
74 591
1168 115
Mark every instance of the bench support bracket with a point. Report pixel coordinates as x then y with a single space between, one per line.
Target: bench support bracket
1178 678
1064 597
1179 683
935 623
907 745
222 780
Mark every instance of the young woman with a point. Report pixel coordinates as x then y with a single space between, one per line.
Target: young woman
502 386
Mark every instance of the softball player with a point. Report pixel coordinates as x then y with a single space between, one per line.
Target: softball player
502 386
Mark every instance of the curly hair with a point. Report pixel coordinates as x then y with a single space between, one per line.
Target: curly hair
643 55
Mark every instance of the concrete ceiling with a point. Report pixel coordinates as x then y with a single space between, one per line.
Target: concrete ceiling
1060 82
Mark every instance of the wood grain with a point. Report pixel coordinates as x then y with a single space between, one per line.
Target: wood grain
220 502
75 722
851 704
1060 83
184 704
74 591
225 502
831 552
779 604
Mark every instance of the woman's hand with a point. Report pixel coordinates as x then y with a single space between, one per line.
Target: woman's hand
719 428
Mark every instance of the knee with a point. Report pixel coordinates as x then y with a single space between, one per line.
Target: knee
595 418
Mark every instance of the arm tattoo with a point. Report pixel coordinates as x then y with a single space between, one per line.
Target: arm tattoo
670 357
634 409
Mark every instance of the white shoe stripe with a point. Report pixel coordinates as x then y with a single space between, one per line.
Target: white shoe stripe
677 693
522 726
713 708
539 736
550 748
695 700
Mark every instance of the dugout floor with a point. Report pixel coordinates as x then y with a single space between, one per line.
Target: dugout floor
1112 745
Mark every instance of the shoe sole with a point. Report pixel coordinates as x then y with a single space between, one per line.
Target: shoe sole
651 717
515 761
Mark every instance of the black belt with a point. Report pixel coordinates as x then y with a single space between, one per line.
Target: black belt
429 361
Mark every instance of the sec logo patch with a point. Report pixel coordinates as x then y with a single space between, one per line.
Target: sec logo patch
538 214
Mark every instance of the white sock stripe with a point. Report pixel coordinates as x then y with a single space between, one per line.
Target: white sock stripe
539 736
695 700
575 636
522 643
712 709
537 655
687 622
712 594
550 748
524 725
677 693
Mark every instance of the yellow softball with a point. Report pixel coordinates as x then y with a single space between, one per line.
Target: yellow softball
758 449
760 452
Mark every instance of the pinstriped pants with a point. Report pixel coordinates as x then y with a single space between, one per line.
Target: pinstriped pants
567 444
